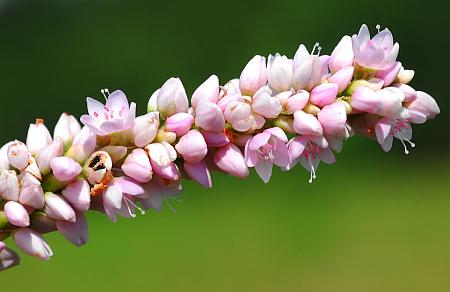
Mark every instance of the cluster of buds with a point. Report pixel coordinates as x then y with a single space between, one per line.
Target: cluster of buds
280 112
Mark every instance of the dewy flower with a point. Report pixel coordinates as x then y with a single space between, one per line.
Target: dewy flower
266 149
377 53
114 116
119 163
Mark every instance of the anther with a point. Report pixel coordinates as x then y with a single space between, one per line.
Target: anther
378 27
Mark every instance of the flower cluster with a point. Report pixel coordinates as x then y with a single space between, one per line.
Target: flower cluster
279 112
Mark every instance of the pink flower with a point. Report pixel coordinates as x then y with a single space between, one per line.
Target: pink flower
51 151
162 156
254 76
389 74
192 146
65 168
365 100
38 136
264 104
279 73
9 185
137 166
213 139
409 92
391 99
306 124
425 104
307 69
323 94
266 149
78 194
386 129
333 118
157 191
296 101
114 116
342 78
179 123
199 172
31 193
83 145
32 243
58 208
172 98
309 151
208 91
66 129
19 155
377 53
145 129
97 167
16 214
75 232
230 160
209 117
342 55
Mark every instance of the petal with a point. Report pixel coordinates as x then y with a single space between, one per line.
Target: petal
382 129
117 101
259 140
264 170
277 132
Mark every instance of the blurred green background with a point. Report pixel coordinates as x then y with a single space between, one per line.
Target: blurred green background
371 222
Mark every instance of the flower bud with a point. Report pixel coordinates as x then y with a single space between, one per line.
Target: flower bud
425 104
374 84
404 76
333 118
209 117
254 76
199 172
97 167
213 139
38 137
78 194
391 101
297 101
179 123
342 55
342 78
208 91
31 193
57 208
266 105
162 156
54 149
9 185
65 168
285 123
8 257
230 160
152 105
16 214
32 243
117 153
4 161
306 124
137 166
239 115
172 98
165 136
192 146
83 145
75 232
323 94
145 129
279 73
66 129
409 92
366 100
390 74
18 155
307 70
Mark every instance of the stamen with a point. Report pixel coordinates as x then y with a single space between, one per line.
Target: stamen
316 45
128 207
403 139
104 94
378 27
136 206
170 205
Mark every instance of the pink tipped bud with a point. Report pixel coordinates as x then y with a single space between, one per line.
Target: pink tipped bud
342 78
54 149
207 91
97 167
266 105
388 75
9 185
209 117
391 101
65 168
366 100
192 146
145 129
16 214
179 123
279 73
333 118
162 156
18 155
199 172
172 98
31 193
215 139
342 55
66 129
137 166
306 124
38 137
324 94
425 104
57 208
32 243
254 76
78 194
297 101
239 115
83 145
75 232
230 160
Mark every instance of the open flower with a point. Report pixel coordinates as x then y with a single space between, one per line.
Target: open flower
266 149
114 116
